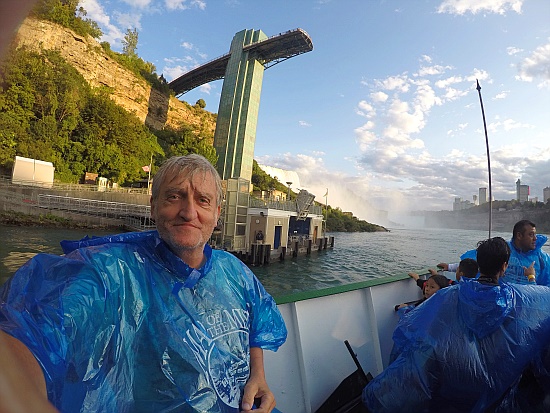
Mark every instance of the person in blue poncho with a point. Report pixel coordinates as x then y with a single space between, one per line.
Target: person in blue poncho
467 347
141 322
526 258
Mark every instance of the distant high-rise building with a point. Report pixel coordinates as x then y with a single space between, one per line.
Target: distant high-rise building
522 192
546 194
474 197
482 196
459 204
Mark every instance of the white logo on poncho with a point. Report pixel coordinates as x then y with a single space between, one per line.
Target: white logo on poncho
222 351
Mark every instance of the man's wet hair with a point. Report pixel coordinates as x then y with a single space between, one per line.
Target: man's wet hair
468 267
520 227
492 253
187 166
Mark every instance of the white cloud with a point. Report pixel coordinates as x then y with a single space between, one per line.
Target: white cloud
184 4
507 125
177 66
173 72
139 4
365 109
128 20
444 83
537 65
461 7
206 88
304 123
398 83
379 96
513 50
187 45
426 58
433 70
426 97
111 33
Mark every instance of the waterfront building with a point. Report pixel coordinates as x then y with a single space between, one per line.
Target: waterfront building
482 196
522 192
459 204
546 194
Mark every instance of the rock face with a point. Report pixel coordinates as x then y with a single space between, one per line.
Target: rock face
132 93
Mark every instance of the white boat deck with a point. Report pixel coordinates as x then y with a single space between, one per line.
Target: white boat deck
314 359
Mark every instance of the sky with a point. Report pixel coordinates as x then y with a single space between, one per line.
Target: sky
384 112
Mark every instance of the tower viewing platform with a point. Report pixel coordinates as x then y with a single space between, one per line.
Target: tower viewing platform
269 52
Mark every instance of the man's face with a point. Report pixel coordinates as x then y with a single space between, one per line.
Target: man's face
185 214
527 239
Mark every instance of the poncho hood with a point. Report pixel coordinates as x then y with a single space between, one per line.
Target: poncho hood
483 307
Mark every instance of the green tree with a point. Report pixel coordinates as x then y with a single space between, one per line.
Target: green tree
67 13
40 103
184 141
130 42
201 103
50 113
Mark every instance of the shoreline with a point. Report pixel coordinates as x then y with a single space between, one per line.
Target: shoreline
18 219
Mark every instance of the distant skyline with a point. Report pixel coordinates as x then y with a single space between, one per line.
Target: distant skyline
384 111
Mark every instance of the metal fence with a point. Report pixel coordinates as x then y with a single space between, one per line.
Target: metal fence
94 207
283 206
6 181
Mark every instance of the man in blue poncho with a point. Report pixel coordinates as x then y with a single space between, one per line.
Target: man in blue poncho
526 257
526 251
141 322
466 348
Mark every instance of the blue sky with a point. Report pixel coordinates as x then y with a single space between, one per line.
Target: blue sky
384 111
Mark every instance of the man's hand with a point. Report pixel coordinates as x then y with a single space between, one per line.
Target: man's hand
22 385
443 265
529 272
256 390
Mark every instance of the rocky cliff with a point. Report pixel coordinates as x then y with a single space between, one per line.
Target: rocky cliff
132 93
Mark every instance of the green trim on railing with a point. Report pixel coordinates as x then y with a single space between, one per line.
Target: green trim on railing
308 295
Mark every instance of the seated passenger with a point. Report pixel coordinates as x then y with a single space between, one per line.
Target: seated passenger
429 288
472 362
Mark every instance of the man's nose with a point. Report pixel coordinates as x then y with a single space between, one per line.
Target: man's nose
188 210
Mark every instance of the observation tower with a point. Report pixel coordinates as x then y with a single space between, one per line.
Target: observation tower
242 69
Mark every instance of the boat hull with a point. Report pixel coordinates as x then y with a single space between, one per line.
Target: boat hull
314 360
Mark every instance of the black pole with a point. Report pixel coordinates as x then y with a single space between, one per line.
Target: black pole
488 160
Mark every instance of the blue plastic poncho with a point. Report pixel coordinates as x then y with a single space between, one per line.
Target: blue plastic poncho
519 259
121 324
462 349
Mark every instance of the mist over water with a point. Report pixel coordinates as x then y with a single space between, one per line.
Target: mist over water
356 256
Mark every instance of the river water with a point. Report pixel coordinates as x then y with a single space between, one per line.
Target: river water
355 257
